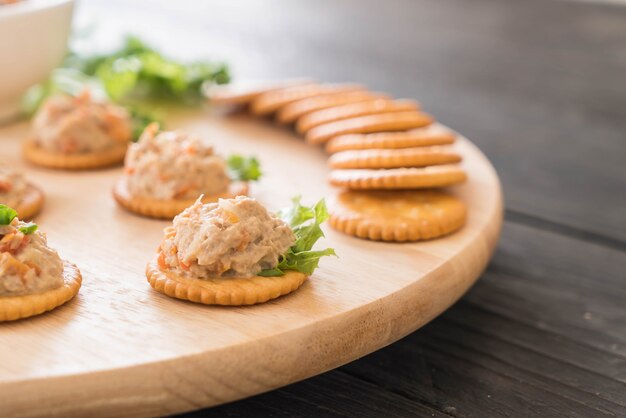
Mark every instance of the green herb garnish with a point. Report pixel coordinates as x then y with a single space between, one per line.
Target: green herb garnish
305 223
7 215
244 168
138 71
141 119
29 228
132 74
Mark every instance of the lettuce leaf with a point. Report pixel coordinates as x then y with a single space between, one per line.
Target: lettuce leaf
138 71
141 118
244 168
7 214
133 74
29 228
305 222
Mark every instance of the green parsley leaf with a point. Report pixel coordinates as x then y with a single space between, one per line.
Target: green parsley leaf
244 168
134 73
140 119
296 214
7 214
28 228
119 76
271 272
305 223
309 234
304 261
138 71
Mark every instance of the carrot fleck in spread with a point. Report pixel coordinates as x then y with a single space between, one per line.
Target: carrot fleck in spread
174 165
231 238
27 264
240 238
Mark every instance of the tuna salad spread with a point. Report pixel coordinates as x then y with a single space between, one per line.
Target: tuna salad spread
13 186
80 125
174 165
230 238
27 264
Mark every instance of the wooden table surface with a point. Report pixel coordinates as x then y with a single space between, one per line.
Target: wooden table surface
540 86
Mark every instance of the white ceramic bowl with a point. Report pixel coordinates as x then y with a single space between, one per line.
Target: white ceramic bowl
33 41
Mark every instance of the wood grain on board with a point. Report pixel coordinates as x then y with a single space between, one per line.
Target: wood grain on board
539 86
540 334
121 348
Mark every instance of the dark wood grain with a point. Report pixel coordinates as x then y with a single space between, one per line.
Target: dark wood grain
326 395
540 86
537 336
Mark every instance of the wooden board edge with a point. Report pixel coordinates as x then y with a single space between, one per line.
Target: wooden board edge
193 382
215 377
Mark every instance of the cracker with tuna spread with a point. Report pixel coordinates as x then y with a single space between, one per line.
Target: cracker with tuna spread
165 172
234 252
33 278
18 193
78 133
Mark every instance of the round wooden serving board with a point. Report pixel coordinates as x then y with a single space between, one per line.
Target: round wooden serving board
122 349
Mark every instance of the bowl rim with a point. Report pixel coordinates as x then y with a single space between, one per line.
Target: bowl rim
30 6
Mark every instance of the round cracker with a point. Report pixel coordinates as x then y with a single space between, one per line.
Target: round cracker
272 101
399 216
398 178
101 159
421 137
31 203
17 307
397 121
293 111
353 110
394 158
241 94
167 209
223 291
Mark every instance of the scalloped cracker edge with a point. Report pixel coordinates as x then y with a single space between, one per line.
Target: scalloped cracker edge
353 110
398 178
395 158
89 161
382 122
223 291
167 209
420 137
396 216
18 307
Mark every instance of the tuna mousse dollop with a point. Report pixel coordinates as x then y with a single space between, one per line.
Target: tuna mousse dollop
76 133
18 193
33 278
234 252
165 172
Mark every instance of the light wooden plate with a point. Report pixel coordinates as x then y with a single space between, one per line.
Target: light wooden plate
122 349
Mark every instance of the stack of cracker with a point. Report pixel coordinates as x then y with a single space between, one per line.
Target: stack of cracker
388 155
